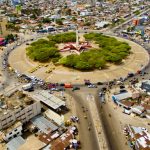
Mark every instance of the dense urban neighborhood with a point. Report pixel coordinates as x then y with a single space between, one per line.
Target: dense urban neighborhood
74 75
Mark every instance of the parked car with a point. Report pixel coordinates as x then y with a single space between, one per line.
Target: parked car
92 86
123 91
99 83
61 89
28 87
126 111
75 88
62 84
18 44
130 74
54 89
122 86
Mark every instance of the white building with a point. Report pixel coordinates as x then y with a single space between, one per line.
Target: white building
101 24
12 132
22 114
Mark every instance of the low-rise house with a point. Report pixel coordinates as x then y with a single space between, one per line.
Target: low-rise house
44 125
139 110
138 137
101 24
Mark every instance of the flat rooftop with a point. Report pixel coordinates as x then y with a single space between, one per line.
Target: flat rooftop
17 101
14 126
48 99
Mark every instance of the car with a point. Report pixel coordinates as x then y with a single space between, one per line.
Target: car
61 89
27 44
122 86
12 48
119 82
123 91
18 44
99 83
126 111
87 82
62 84
104 89
54 89
92 86
130 74
31 89
75 88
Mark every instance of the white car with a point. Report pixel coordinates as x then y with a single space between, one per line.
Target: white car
18 44
92 86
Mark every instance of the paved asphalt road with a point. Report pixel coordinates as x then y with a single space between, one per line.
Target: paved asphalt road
88 138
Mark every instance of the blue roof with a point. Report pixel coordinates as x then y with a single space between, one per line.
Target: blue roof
15 143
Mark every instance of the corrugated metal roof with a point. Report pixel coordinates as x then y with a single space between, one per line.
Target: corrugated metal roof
43 124
15 143
122 96
49 99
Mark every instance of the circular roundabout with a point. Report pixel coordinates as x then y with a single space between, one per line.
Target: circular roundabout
62 67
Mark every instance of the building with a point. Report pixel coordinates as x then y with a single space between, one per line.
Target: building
17 109
139 138
48 100
15 143
146 85
44 125
12 132
59 119
3 31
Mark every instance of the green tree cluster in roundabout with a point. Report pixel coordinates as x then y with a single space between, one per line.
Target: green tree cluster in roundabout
44 50
85 61
63 37
110 50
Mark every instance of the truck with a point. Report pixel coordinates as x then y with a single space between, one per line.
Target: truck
28 87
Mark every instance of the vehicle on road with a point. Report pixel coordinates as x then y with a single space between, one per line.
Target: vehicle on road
75 88
61 89
122 86
99 83
18 44
130 74
92 86
54 89
126 111
28 87
68 85
123 90
62 84
87 82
